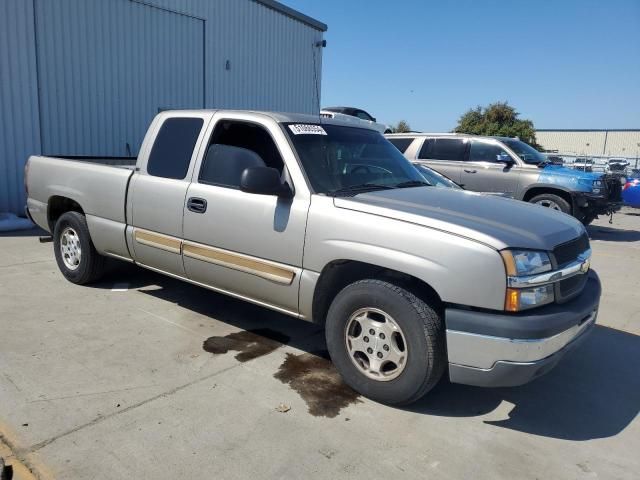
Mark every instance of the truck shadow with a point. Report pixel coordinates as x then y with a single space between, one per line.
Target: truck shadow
31 232
594 392
609 234
238 313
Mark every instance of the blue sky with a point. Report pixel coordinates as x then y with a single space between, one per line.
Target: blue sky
562 64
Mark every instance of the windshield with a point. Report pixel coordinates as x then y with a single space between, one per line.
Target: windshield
337 158
527 153
434 178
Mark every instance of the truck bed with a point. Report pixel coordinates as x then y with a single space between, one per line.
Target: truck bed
100 189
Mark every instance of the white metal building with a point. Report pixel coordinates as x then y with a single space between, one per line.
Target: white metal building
591 143
85 77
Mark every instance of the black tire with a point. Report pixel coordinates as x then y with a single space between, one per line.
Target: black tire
564 206
422 325
91 264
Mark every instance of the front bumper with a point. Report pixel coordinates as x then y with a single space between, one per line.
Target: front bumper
500 350
596 204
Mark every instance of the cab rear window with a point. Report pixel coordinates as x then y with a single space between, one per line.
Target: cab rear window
173 147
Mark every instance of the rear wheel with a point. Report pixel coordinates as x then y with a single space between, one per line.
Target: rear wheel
554 202
387 344
75 254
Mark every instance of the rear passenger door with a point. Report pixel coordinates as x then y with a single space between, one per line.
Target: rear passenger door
157 191
445 155
241 243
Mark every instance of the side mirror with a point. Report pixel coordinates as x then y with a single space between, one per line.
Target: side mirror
505 158
373 119
264 181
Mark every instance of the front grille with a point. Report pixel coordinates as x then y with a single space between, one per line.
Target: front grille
614 188
568 252
569 288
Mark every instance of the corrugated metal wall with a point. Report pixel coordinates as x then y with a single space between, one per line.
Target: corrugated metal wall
105 67
610 143
623 143
123 61
269 53
19 126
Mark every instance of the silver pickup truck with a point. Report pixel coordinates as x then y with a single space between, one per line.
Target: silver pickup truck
329 223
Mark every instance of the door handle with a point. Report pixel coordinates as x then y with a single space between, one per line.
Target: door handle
470 171
197 205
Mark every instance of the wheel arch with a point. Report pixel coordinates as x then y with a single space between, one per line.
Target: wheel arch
57 205
539 189
337 274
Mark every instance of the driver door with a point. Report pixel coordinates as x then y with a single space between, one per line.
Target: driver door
244 244
484 172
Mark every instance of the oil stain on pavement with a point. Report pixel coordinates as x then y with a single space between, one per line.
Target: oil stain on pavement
318 382
249 343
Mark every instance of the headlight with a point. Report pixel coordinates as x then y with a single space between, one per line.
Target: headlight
623 180
522 263
523 298
525 262
597 187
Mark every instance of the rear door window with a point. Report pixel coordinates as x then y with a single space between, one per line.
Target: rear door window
401 143
443 149
171 152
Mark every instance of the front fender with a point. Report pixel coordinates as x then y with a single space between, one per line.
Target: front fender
459 269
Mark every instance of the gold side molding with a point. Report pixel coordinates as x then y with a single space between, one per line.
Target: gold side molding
261 268
157 240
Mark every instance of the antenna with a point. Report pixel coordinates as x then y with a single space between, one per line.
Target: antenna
318 44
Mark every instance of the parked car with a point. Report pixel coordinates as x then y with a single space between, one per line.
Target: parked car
354 115
329 223
631 190
584 164
510 166
555 159
617 165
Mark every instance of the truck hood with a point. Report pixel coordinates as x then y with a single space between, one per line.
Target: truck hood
575 180
495 221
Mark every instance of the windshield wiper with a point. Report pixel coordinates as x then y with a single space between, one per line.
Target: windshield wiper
356 189
413 183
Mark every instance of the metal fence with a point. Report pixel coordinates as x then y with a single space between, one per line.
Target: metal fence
594 163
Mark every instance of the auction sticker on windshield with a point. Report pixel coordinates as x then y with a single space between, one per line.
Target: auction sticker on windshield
307 129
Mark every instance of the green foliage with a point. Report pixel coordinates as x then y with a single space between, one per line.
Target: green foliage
498 119
401 127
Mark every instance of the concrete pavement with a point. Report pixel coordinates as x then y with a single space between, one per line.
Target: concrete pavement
142 376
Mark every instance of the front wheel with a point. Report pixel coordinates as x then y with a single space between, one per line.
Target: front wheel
387 344
75 254
554 202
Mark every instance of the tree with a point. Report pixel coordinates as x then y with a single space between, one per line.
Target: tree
401 127
498 119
